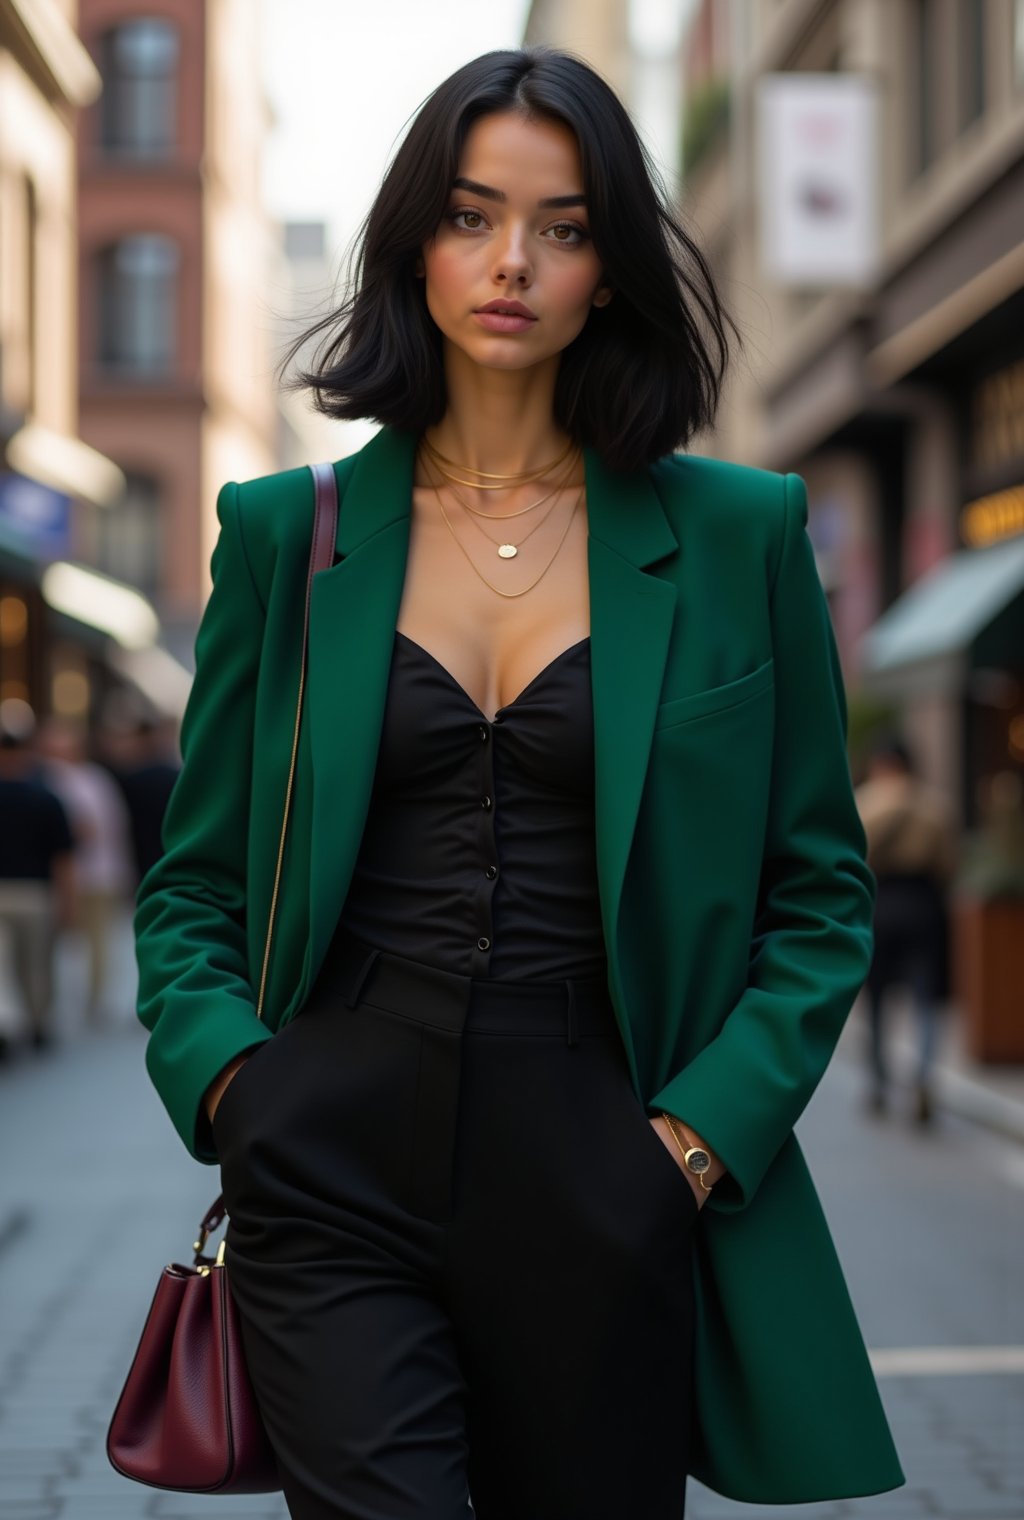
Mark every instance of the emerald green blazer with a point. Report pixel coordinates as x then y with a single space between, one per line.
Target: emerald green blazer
735 897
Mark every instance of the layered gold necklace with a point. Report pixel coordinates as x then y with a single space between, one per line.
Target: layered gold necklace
506 550
517 478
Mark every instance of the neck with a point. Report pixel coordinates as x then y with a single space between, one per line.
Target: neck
501 421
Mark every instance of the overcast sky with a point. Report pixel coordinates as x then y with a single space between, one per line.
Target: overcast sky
344 76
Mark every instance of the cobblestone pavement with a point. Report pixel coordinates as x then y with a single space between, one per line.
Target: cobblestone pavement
96 1194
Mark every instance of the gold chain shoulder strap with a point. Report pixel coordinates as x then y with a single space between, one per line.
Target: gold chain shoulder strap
321 557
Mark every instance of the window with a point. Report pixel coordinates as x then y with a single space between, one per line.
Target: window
971 61
123 540
924 44
137 305
139 64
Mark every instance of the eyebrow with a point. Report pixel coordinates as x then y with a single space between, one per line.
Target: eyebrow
489 193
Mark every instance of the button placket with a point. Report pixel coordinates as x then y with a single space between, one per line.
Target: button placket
488 851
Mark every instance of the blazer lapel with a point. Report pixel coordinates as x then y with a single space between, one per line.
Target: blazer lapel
352 619
353 612
631 620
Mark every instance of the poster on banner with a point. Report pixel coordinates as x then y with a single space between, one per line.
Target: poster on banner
818 179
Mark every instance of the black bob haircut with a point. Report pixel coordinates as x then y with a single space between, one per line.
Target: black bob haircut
644 374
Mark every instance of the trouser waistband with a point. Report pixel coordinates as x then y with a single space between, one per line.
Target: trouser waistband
448 1000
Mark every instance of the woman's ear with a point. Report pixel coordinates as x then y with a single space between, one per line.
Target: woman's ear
602 295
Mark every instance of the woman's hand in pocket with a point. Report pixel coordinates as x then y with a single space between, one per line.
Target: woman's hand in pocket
220 1084
660 1125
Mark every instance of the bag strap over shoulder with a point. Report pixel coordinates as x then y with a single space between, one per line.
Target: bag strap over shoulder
321 556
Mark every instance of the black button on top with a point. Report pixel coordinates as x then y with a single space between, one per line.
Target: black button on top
483 943
485 803
491 872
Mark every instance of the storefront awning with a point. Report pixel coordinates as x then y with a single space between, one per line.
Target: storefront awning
920 645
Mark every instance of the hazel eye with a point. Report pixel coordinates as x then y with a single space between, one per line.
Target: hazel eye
568 234
457 213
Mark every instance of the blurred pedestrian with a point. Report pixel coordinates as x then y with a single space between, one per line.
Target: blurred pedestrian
105 870
569 925
145 768
912 851
37 885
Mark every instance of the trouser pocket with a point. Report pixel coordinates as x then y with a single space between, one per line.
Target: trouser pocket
328 1112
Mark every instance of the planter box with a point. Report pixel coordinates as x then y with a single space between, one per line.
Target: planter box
988 972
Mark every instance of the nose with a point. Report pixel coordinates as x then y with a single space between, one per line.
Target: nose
512 263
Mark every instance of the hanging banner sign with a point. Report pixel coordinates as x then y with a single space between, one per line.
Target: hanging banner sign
818 179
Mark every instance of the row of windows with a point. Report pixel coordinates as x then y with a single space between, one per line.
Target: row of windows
139 62
137 278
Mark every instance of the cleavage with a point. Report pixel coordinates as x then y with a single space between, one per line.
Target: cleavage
531 683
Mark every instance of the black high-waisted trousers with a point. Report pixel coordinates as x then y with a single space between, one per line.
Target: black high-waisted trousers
461 1255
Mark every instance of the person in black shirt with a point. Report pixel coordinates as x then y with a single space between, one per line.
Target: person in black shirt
36 869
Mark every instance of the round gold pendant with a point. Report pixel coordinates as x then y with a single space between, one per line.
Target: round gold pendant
507 551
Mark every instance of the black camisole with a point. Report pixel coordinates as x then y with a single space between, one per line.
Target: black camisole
478 850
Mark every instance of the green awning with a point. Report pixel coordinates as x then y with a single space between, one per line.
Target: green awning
921 644
16 555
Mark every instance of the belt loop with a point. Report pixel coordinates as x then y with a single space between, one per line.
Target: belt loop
351 997
571 1028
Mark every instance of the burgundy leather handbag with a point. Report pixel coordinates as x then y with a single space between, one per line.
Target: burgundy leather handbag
187 1418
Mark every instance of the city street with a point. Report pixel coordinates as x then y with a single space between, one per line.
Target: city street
96 1194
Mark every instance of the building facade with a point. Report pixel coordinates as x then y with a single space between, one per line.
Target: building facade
176 366
48 476
896 394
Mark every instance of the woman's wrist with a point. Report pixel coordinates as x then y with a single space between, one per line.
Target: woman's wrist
216 1089
690 1139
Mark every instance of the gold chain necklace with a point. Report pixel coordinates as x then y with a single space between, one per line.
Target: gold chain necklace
496 589
520 511
509 550
519 477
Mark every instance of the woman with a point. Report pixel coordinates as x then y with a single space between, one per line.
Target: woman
574 902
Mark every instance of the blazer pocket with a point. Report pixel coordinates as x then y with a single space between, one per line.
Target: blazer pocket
700 704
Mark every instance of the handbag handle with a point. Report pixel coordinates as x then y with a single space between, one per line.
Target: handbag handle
321 556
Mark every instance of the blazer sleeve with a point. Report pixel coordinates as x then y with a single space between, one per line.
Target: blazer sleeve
813 932
195 994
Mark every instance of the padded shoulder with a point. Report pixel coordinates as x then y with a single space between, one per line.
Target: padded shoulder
735 504
716 485
275 514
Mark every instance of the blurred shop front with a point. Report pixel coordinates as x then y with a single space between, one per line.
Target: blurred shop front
906 418
71 639
956 635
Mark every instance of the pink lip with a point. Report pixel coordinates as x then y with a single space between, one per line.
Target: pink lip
500 303
503 321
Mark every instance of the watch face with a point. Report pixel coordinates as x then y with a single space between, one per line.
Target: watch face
697 1160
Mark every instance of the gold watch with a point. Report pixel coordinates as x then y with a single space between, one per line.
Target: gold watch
695 1157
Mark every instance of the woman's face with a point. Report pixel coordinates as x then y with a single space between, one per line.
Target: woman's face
515 230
